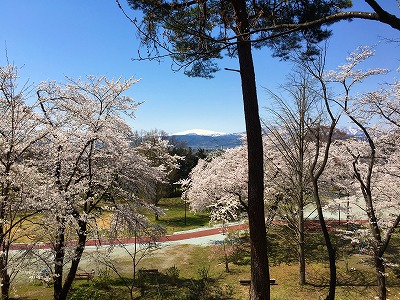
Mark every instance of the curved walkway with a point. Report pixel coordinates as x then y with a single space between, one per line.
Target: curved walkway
184 236
176 237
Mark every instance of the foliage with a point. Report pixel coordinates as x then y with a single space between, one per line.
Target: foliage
24 191
97 289
195 34
189 161
369 166
219 184
279 249
155 146
173 274
240 253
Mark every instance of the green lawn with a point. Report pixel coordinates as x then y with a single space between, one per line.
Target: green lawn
202 275
174 218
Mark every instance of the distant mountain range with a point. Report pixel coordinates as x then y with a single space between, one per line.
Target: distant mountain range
209 140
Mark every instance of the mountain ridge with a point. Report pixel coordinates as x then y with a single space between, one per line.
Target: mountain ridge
210 140
203 132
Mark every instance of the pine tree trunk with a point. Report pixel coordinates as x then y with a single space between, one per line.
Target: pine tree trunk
260 286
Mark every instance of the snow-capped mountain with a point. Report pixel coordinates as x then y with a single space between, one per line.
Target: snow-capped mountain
199 132
207 139
351 131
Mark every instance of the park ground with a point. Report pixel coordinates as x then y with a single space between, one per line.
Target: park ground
195 269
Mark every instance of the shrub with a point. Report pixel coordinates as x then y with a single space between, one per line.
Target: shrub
173 274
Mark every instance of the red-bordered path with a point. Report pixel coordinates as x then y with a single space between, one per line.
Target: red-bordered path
310 226
167 238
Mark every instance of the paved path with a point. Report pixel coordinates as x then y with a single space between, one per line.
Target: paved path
179 236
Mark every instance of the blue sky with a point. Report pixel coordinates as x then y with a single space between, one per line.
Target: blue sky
51 39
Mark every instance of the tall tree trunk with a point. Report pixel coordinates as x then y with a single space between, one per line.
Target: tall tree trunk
380 274
5 277
331 250
59 258
301 191
302 259
379 248
260 286
75 261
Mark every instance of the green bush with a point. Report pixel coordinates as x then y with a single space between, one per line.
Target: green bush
173 274
240 248
89 292
204 273
97 289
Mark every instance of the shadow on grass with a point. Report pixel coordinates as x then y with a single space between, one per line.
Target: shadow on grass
157 286
179 222
348 278
166 287
350 283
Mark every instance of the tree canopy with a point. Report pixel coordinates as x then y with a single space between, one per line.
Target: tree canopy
196 33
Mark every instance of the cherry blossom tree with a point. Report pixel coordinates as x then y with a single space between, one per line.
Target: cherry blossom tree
383 103
219 185
373 161
156 148
91 160
374 177
22 187
225 197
